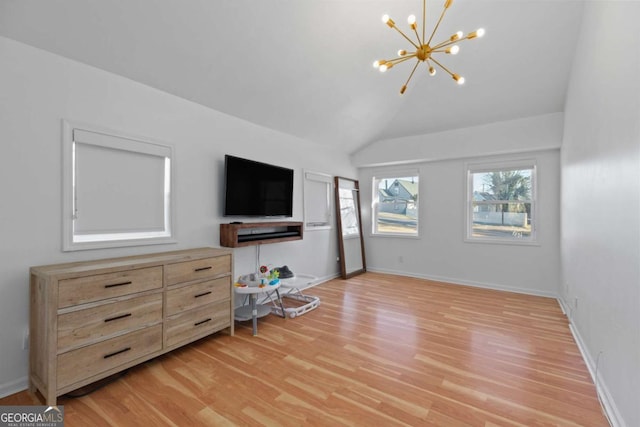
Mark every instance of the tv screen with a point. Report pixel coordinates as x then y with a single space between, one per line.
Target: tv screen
257 189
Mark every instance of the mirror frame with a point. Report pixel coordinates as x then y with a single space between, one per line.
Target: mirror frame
343 267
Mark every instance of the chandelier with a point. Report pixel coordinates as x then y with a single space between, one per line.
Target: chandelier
423 49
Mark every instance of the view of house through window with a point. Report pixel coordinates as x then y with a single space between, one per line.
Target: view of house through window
395 205
501 204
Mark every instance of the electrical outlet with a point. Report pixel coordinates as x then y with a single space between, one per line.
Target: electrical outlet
25 340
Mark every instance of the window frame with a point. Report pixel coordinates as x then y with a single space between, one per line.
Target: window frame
502 166
375 201
121 143
312 184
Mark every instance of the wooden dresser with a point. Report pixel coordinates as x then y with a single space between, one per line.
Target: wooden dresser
92 319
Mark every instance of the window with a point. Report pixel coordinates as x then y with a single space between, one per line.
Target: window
395 204
116 189
317 201
501 202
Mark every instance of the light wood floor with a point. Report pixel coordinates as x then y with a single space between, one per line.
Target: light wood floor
380 350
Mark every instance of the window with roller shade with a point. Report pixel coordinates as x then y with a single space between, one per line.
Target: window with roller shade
117 189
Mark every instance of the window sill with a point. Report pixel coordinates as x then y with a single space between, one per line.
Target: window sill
116 243
401 236
502 242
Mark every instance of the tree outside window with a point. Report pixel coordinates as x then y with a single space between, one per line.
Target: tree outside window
501 204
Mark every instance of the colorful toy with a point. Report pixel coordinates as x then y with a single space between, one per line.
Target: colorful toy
263 278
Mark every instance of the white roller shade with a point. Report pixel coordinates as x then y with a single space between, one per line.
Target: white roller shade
118 191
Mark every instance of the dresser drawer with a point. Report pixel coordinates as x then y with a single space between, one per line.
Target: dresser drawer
199 269
102 286
198 322
86 326
197 295
86 362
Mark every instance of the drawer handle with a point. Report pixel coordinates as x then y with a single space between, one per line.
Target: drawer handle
113 285
203 268
202 294
124 350
202 321
122 316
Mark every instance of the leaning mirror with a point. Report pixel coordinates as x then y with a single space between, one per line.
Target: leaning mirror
350 241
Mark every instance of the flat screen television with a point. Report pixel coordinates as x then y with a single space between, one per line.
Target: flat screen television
257 189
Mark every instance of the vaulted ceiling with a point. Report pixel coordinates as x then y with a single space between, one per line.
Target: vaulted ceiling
304 67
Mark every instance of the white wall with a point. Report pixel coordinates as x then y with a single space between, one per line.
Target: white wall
514 136
601 202
440 252
38 89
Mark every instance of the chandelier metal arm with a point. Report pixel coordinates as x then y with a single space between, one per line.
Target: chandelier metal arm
418 37
404 87
450 42
442 66
447 43
403 35
438 24
424 18
396 61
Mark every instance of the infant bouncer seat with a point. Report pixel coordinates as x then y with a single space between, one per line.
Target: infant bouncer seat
295 303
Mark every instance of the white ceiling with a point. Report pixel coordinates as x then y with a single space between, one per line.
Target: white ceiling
304 67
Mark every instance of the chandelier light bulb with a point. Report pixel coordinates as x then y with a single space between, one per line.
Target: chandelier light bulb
432 71
477 33
383 68
457 36
412 21
453 50
402 52
387 20
458 79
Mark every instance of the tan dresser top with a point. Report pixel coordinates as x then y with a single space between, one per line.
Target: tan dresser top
115 264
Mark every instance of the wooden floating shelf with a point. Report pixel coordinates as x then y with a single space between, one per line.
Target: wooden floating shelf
258 233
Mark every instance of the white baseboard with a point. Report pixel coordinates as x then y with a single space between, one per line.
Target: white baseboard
455 281
325 279
610 408
14 386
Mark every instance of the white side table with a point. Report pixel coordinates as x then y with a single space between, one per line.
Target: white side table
253 311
